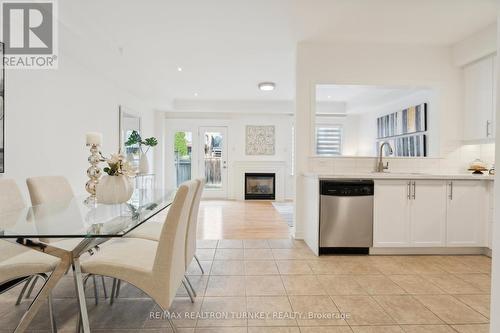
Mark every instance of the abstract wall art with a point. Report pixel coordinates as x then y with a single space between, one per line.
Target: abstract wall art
260 140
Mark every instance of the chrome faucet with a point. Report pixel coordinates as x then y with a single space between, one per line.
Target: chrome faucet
380 166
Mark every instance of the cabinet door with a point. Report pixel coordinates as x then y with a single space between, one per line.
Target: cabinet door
466 213
391 214
478 100
428 213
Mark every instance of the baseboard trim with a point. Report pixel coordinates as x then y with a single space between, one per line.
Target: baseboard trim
429 251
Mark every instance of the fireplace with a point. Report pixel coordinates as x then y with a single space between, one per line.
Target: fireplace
260 186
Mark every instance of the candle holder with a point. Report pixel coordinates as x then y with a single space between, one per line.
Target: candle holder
93 172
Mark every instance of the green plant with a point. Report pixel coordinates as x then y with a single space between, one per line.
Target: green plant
135 139
180 144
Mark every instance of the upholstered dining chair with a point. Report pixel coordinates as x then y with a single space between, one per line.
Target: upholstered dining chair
17 263
157 268
151 231
56 189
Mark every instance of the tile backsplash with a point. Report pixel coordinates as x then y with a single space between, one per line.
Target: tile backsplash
454 162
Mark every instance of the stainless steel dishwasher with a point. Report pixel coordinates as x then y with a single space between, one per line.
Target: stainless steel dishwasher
346 216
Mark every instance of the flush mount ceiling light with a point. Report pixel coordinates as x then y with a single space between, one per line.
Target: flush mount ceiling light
179 69
267 86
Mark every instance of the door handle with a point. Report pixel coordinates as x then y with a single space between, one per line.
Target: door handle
488 123
451 191
414 190
408 191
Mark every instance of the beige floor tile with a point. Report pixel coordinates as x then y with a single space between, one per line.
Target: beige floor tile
378 285
451 310
480 281
294 253
480 303
205 254
268 285
273 330
452 284
340 285
427 329
353 267
406 310
326 329
415 284
258 254
206 243
420 264
230 244
362 310
269 309
221 330
456 265
325 267
194 269
229 308
285 243
322 307
261 267
228 267
485 328
292 267
302 285
229 254
226 286
479 262
255 244
389 265
377 329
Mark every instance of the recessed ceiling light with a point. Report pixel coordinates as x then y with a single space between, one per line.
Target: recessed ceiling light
329 96
267 86
179 69
195 94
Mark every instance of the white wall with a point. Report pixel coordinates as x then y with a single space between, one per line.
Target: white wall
373 64
235 124
48 112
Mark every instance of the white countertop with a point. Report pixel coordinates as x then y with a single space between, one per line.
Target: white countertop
400 175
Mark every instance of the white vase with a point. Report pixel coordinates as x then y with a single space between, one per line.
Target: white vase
144 164
114 189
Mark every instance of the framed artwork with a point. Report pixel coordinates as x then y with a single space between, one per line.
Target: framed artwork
2 111
260 140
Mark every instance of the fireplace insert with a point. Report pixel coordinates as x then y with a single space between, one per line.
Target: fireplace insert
260 186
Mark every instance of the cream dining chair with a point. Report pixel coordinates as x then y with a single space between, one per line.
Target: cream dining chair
56 189
16 262
152 232
157 268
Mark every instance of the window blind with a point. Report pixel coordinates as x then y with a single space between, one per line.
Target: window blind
329 140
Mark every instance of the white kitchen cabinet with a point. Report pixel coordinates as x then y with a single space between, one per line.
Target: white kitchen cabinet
479 85
428 213
391 225
466 213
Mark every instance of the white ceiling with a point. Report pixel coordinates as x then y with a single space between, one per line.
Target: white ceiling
360 98
225 47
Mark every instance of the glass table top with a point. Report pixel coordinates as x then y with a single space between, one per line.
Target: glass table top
77 219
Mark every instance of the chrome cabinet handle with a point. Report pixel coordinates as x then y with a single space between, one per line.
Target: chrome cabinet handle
488 123
408 191
451 191
414 190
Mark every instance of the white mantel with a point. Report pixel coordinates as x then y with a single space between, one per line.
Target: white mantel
242 167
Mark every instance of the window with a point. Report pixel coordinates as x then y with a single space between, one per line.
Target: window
329 140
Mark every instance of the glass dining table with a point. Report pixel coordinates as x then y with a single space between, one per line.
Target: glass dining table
69 230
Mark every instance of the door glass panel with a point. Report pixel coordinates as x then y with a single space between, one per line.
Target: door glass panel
183 144
213 159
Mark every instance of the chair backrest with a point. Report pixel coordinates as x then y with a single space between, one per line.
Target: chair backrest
11 197
193 223
169 265
49 189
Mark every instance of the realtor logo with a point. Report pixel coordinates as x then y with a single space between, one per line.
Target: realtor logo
29 34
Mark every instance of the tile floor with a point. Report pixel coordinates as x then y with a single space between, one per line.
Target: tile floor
284 288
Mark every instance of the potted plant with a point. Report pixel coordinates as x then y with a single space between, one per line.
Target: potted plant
117 186
135 139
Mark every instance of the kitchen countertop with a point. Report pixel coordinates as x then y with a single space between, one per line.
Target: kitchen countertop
400 175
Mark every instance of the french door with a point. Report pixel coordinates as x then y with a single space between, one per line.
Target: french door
212 164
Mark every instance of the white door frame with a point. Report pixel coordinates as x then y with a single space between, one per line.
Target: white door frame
211 192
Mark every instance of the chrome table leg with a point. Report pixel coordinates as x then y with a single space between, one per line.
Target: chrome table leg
80 293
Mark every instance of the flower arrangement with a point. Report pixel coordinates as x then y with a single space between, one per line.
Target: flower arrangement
136 139
119 166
